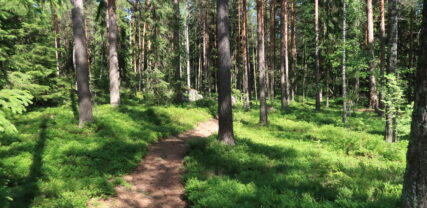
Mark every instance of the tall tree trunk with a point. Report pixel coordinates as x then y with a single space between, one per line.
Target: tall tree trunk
187 46
81 63
177 62
272 48
225 133
246 102
414 194
382 57
317 55
57 38
390 128
344 80
293 49
373 96
112 55
261 62
284 60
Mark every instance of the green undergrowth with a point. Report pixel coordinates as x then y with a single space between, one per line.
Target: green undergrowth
303 158
53 163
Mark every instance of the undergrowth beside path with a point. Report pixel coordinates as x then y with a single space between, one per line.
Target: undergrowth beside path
301 159
53 163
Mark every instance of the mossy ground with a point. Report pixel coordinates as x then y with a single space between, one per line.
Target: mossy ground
303 158
53 163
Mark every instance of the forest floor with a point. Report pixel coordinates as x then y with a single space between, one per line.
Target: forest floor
156 182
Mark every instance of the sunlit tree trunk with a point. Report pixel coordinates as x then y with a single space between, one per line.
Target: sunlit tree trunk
246 102
261 62
344 79
112 54
284 60
225 114
373 96
81 63
272 48
414 194
317 55
293 50
382 50
187 46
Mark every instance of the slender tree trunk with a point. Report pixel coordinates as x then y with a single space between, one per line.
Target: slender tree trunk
81 63
261 62
187 46
284 60
293 49
382 57
317 55
57 38
272 48
112 54
225 133
344 81
246 102
390 129
414 194
177 62
373 96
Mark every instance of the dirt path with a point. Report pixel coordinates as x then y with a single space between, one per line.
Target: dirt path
156 183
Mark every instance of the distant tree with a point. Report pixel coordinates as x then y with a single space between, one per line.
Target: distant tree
225 134
81 63
261 62
414 194
317 55
246 101
344 78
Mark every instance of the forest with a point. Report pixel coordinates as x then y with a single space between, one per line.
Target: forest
216 104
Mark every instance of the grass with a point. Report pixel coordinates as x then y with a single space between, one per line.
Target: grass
301 159
53 163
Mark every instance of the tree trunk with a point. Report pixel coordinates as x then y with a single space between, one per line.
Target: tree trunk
81 63
344 81
187 46
112 54
272 48
373 96
293 49
317 55
261 62
57 38
246 102
176 47
382 57
390 127
414 194
225 133
284 60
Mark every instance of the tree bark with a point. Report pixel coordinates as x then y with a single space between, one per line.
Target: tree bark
187 46
390 127
57 38
177 62
317 55
272 48
382 56
344 80
246 102
261 62
112 54
293 50
81 63
414 194
225 133
373 96
284 60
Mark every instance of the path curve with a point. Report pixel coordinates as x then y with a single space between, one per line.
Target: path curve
156 182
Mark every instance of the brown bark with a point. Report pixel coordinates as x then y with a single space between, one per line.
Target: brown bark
272 48
382 56
373 96
293 50
225 114
414 194
261 62
81 63
246 102
284 60
112 55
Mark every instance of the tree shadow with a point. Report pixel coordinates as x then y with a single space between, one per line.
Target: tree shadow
280 176
30 189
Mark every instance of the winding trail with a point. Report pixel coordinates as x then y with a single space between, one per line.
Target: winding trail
156 182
